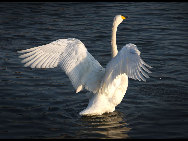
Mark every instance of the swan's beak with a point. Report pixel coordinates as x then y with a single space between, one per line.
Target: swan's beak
124 17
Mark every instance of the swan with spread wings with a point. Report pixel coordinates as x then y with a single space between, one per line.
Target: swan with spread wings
107 85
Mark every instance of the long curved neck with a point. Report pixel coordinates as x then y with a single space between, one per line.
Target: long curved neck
113 41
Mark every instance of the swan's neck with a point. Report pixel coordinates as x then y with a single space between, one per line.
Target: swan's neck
113 41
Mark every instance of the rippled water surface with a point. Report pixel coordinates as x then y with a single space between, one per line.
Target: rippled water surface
41 103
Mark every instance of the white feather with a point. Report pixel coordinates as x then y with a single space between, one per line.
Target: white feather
72 56
126 61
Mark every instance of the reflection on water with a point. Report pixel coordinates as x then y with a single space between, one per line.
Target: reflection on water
109 125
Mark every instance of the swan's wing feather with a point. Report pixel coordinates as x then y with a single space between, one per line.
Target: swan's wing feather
127 61
72 56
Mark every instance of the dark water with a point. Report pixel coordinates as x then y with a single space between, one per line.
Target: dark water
37 103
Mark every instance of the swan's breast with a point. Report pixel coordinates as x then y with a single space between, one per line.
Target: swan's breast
116 90
120 88
107 99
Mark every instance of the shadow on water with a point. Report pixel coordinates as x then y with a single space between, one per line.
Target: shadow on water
108 125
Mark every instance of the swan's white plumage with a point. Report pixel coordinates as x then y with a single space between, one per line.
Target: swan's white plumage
108 85
127 61
72 56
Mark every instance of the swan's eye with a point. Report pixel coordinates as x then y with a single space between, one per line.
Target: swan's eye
123 17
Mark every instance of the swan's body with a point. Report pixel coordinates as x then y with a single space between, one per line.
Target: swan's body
107 85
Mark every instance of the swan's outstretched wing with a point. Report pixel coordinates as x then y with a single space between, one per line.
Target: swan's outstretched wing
72 56
127 61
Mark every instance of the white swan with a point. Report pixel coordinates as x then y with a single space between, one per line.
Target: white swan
108 86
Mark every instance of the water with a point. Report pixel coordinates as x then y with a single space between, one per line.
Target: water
41 103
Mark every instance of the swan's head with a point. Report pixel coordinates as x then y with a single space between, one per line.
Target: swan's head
118 19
